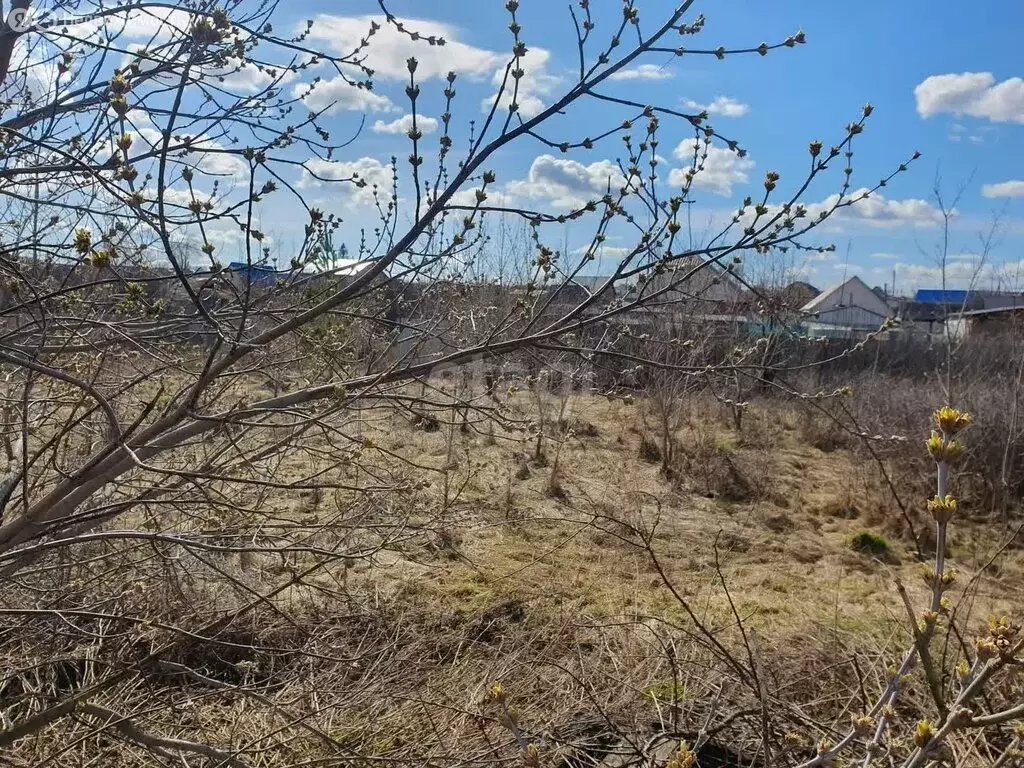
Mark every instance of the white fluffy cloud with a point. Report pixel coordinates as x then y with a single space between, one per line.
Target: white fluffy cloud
213 159
250 78
182 197
972 93
495 198
360 177
643 72
389 49
879 211
388 54
403 125
567 183
959 274
337 95
535 86
1004 189
875 211
722 169
147 23
725 106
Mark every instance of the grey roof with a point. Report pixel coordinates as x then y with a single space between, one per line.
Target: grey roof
821 298
1001 300
991 311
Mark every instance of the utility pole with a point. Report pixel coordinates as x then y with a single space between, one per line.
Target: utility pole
689 222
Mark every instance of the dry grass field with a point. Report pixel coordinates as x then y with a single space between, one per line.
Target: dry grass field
577 576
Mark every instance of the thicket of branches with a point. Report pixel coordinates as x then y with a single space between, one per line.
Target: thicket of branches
189 495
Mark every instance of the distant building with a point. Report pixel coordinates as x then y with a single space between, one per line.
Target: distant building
265 276
946 297
583 287
924 317
987 322
793 296
930 310
848 309
694 285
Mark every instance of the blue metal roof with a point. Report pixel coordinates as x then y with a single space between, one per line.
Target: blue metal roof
938 296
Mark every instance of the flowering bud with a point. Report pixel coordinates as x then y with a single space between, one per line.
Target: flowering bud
683 758
83 241
862 724
923 733
942 509
951 420
985 649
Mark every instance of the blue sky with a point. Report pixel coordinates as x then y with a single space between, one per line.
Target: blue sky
943 80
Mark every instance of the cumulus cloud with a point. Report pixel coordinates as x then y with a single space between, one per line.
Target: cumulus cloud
361 176
725 106
960 274
150 23
879 211
387 56
567 183
389 49
1004 189
535 86
250 78
206 156
495 198
182 197
722 169
972 93
875 211
338 95
643 72
403 125
214 159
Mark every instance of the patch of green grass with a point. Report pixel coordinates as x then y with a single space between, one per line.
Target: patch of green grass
870 543
725 447
665 691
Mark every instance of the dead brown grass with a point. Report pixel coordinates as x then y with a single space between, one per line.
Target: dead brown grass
497 578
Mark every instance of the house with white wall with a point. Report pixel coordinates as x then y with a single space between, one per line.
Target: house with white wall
848 309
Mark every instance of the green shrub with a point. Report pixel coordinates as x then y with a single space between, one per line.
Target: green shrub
870 543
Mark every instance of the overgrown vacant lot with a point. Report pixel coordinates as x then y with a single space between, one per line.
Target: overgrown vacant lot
372 392
366 608
782 513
